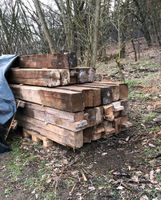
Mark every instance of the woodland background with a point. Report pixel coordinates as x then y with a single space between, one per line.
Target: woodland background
87 27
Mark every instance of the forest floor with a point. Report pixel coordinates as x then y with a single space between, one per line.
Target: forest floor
126 166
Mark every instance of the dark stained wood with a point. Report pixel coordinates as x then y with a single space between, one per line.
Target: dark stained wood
123 88
52 61
94 116
115 89
82 75
88 134
125 104
106 92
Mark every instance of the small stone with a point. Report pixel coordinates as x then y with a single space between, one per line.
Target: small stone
144 198
152 145
105 153
120 187
91 188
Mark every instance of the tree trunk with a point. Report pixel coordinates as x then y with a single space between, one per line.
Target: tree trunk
95 34
44 25
142 17
135 53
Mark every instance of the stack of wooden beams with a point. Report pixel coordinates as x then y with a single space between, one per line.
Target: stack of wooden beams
70 115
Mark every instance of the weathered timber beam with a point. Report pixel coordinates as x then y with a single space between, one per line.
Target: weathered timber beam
91 96
57 134
39 77
52 61
66 100
58 118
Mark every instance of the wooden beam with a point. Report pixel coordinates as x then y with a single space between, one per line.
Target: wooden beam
52 61
91 96
123 88
117 106
115 89
82 75
66 100
94 116
54 133
109 112
88 134
56 117
39 77
99 131
106 92
109 130
125 104
120 124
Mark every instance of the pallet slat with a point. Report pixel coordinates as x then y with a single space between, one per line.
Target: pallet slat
36 137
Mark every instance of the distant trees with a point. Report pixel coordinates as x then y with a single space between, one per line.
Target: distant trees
44 25
83 26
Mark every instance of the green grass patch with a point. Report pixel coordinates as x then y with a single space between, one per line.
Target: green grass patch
134 95
133 83
141 64
154 129
18 162
39 180
153 151
149 117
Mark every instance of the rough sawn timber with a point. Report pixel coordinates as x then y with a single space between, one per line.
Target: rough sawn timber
91 96
39 77
66 100
51 61
71 121
54 133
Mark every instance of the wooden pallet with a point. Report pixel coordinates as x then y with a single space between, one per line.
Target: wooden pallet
35 137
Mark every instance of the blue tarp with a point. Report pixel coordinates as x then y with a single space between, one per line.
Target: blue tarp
7 100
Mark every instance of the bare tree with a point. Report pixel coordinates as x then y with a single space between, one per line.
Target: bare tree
95 34
44 25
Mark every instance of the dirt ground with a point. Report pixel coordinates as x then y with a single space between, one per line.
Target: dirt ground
126 166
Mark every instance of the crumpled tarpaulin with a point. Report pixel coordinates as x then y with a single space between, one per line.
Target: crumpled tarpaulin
7 100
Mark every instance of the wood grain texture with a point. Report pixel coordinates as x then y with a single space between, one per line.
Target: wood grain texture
56 134
52 61
82 75
115 89
39 77
66 100
106 92
91 96
58 118
123 88
37 138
